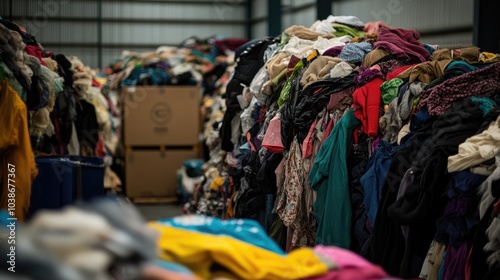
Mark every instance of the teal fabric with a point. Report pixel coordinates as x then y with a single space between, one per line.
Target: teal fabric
429 48
466 67
485 104
441 268
7 73
329 178
174 267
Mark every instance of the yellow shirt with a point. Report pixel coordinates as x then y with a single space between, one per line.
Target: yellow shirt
199 251
15 149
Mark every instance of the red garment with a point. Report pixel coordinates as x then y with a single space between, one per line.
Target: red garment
402 43
308 145
36 52
100 150
367 105
467 264
291 65
328 130
95 83
394 73
230 43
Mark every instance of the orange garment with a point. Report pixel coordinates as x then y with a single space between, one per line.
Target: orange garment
15 149
230 204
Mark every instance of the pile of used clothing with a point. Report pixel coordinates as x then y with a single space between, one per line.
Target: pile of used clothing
194 62
51 104
108 239
360 136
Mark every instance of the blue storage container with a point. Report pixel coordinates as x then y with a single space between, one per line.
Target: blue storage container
54 185
62 180
89 177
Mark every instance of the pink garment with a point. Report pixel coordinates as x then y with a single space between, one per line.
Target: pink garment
373 27
351 266
402 43
307 145
355 273
341 257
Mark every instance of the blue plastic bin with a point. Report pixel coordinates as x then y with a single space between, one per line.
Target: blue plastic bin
91 173
62 180
54 185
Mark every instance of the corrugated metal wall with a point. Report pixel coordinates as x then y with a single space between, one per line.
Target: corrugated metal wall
302 12
259 16
295 12
71 26
443 22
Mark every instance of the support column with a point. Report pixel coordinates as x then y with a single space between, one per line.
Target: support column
99 34
274 17
323 9
486 34
248 19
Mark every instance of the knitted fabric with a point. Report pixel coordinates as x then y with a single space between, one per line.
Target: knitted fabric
484 82
355 52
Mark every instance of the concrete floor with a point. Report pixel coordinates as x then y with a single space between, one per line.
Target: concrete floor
154 212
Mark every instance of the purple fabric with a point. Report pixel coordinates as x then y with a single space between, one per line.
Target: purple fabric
402 43
484 83
454 266
388 66
459 216
459 206
366 75
333 51
375 143
162 65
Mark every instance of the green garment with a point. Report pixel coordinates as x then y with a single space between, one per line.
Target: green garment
285 92
329 178
280 76
7 74
389 90
342 29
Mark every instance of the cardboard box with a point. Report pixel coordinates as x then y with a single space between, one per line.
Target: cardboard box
168 115
151 173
